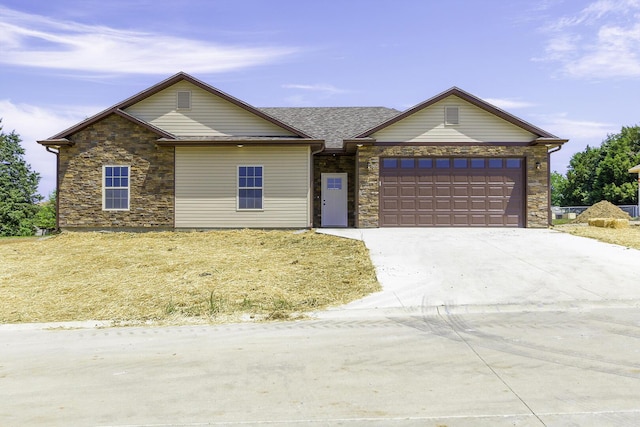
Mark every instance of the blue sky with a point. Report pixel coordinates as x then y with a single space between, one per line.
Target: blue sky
570 67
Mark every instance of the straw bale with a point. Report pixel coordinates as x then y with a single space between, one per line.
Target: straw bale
609 222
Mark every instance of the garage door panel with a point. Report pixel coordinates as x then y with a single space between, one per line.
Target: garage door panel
443 191
460 191
425 191
406 191
452 195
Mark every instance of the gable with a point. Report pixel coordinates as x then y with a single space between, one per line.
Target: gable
209 115
475 125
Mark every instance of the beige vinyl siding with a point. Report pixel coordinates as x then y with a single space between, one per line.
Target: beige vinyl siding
207 187
475 125
209 115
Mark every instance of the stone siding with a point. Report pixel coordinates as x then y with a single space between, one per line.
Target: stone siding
116 141
537 184
334 164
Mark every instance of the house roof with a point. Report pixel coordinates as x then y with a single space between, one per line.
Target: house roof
336 126
332 124
455 91
119 107
635 169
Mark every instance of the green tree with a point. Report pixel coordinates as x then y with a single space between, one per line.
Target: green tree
558 189
18 188
45 218
601 173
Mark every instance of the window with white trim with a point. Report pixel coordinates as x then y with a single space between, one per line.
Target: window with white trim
115 188
250 187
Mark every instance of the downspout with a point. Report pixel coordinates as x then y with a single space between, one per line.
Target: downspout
549 215
311 185
57 153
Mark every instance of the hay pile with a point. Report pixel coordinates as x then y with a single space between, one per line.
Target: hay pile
602 209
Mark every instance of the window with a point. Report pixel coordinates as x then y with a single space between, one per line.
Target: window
389 163
425 163
477 163
451 116
407 163
459 163
442 163
513 163
250 187
183 100
495 163
115 188
334 183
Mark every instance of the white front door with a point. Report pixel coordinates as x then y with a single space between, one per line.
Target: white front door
334 200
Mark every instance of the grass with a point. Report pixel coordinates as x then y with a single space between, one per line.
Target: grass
629 237
173 277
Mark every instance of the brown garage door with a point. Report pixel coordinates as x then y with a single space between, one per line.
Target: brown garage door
451 192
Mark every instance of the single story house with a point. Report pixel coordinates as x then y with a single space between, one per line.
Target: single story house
184 155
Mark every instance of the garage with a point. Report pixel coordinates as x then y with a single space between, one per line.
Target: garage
452 192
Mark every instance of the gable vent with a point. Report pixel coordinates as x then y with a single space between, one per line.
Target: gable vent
184 100
451 116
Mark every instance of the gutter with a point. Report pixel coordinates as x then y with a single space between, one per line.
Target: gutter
57 153
553 150
311 186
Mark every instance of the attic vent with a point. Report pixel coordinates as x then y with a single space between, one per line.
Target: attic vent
451 116
184 100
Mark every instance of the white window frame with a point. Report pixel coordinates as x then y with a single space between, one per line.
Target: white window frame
446 115
105 188
178 97
238 187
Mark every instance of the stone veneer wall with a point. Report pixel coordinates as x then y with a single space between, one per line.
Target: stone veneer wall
334 164
116 141
537 185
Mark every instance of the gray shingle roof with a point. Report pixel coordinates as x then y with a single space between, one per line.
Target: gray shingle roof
333 124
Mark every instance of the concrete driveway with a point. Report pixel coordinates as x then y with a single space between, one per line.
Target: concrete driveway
495 269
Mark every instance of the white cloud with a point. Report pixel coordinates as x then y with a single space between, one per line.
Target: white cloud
324 88
38 41
565 127
600 41
35 123
508 104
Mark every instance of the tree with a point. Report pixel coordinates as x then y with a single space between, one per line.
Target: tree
602 173
558 189
45 218
18 188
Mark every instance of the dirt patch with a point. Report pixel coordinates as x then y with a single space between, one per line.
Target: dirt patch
628 237
171 276
603 209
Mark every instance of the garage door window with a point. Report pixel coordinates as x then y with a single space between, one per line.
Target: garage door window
459 163
425 163
442 163
390 163
477 163
513 163
495 163
407 163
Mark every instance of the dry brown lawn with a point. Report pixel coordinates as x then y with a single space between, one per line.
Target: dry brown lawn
173 277
629 237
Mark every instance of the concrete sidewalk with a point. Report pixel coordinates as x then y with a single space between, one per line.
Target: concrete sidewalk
494 269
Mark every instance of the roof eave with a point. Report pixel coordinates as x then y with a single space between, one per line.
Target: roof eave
316 144
635 169
59 142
